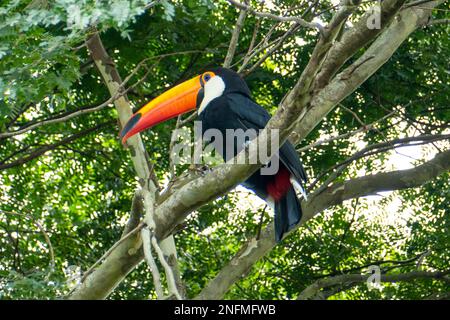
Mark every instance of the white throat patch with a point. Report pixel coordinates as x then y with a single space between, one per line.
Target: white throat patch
213 88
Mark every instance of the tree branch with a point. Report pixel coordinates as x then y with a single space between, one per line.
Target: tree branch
120 260
141 164
374 149
191 196
438 21
278 44
301 109
56 119
235 38
354 39
364 128
272 16
137 210
119 93
350 280
42 150
254 249
381 49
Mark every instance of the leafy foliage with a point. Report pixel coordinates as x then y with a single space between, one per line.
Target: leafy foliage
80 192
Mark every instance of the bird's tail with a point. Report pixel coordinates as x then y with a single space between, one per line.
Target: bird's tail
288 213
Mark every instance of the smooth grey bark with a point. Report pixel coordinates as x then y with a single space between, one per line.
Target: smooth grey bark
302 110
349 280
103 280
116 266
255 249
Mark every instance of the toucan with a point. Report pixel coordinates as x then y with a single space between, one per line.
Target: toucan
223 101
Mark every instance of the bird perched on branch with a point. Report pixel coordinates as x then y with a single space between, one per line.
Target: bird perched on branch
223 102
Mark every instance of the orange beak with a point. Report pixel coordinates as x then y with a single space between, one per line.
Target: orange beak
178 100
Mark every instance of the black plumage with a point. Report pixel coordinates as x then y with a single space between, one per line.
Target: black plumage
235 109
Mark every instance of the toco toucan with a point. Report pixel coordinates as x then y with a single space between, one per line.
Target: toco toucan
223 101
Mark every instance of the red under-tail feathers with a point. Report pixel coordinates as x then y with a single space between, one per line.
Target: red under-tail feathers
280 185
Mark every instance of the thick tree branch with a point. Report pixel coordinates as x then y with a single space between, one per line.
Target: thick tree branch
118 262
348 280
385 181
141 164
113 82
254 249
137 210
353 40
438 21
375 149
346 135
191 196
269 52
57 119
351 78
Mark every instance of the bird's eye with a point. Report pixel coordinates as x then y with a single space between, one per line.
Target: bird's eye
207 77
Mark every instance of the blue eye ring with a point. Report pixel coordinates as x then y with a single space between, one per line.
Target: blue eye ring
207 77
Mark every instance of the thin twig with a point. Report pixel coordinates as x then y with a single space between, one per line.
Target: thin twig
44 149
56 120
168 269
269 52
44 233
368 127
152 4
235 38
252 42
275 17
438 21
191 117
371 150
146 244
107 253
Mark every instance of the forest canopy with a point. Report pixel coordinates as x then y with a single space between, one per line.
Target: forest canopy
367 109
